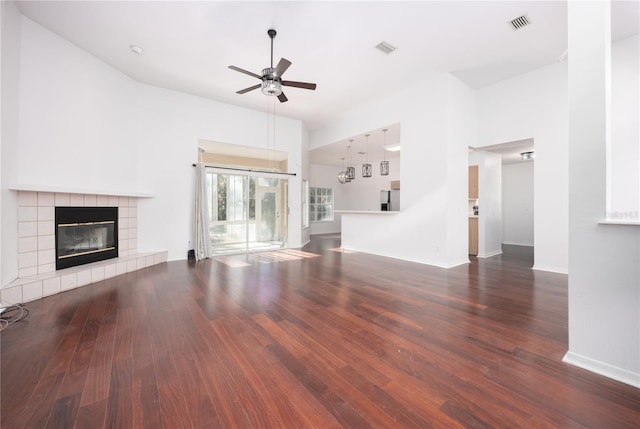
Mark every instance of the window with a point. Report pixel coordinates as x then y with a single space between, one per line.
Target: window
305 203
320 204
246 212
227 200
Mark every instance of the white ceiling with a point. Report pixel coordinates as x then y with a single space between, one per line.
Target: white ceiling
188 45
510 152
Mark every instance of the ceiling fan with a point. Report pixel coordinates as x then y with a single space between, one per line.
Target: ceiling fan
271 78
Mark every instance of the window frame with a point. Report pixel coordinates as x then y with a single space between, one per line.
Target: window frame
314 205
305 203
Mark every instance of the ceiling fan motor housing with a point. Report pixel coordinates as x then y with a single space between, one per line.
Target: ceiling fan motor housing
270 82
269 74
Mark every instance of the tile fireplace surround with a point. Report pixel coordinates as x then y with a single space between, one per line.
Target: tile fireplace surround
37 275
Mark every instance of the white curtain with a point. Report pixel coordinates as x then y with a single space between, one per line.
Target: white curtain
201 221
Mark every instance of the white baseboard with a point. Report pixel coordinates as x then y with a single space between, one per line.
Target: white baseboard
304 243
550 269
490 254
417 261
458 263
512 243
619 374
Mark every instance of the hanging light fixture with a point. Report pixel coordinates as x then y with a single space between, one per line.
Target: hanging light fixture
351 171
366 168
342 175
384 164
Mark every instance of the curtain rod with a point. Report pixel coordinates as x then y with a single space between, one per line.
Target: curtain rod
249 170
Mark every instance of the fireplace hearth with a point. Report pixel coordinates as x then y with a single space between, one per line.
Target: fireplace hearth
85 234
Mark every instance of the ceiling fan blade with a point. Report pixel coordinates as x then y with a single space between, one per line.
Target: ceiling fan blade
282 67
251 88
282 97
305 85
238 69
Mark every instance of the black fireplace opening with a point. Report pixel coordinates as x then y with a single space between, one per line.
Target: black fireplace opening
85 235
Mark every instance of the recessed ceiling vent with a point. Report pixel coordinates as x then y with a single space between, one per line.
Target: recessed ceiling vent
519 22
385 47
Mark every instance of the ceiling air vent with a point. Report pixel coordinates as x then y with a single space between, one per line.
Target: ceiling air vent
386 47
519 22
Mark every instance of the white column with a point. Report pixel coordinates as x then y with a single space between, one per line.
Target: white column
604 260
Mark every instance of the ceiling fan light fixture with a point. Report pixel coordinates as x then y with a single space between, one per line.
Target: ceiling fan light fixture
271 87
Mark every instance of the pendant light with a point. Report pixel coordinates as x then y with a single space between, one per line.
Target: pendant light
384 164
342 175
366 168
351 171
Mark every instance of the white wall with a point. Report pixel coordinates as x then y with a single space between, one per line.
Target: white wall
604 260
432 226
75 117
461 132
624 168
86 126
9 137
490 203
517 203
539 111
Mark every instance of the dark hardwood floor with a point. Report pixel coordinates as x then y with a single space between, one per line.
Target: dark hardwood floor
313 339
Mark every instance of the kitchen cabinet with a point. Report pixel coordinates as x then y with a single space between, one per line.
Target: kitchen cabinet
473 181
473 203
473 236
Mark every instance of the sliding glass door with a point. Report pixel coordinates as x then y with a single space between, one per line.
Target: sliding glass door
248 212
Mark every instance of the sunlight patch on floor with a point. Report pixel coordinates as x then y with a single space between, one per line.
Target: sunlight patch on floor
233 261
283 255
341 250
266 257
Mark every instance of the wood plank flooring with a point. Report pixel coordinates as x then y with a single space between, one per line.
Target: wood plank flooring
341 340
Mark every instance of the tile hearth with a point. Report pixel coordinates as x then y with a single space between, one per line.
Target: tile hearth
37 276
25 289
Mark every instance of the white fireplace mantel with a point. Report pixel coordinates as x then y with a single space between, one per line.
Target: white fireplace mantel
66 190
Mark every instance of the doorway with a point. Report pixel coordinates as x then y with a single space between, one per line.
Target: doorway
511 199
247 212
268 211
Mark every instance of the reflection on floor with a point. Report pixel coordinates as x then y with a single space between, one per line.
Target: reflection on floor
341 250
235 261
219 248
238 261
